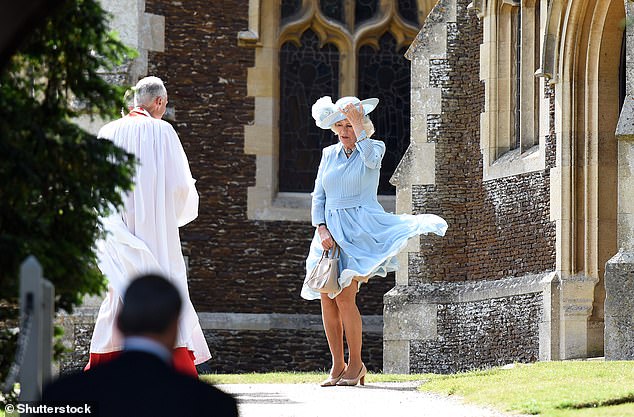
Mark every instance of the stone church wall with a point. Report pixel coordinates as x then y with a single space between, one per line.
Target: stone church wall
498 228
480 334
491 308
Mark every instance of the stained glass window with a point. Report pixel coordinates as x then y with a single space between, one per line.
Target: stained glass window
290 7
333 9
306 73
385 74
364 10
408 11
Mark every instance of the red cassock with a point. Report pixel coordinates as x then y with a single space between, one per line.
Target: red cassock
182 358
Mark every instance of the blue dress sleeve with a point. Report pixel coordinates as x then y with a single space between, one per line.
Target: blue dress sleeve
372 152
318 209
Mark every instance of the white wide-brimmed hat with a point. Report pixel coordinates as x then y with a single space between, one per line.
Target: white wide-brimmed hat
326 113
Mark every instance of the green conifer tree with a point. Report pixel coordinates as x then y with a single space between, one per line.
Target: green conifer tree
55 178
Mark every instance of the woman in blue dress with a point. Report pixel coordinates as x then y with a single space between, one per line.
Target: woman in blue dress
345 210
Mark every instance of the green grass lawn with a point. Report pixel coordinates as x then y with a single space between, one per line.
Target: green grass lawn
548 389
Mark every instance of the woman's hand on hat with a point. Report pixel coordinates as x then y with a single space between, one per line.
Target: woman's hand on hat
355 116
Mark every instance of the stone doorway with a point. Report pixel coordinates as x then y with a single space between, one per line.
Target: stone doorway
598 95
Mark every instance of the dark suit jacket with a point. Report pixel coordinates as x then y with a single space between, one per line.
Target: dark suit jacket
138 384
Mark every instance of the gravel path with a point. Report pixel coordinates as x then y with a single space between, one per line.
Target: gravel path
376 399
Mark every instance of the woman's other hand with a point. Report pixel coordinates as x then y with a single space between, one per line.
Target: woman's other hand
326 239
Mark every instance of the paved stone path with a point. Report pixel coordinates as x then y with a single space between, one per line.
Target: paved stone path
375 399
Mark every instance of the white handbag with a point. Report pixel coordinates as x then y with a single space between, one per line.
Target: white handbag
324 276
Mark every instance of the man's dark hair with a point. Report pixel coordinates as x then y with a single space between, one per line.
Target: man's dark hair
150 305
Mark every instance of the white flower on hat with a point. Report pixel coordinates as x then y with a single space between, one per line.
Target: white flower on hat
322 108
326 113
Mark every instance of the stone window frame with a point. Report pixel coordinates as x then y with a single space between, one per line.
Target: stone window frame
502 157
261 137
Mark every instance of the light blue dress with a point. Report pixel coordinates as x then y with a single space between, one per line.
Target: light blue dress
345 198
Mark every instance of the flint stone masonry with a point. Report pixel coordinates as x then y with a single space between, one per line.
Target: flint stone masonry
453 327
236 351
247 342
481 334
508 232
499 230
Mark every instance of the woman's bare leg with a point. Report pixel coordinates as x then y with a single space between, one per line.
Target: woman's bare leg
347 303
334 333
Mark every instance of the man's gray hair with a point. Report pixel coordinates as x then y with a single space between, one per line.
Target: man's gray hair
147 89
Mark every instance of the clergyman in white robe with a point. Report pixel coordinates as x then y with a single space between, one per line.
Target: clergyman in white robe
143 237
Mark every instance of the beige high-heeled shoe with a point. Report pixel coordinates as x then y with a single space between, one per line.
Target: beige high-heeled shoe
360 379
331 381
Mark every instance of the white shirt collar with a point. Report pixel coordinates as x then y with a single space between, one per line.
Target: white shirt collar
144 344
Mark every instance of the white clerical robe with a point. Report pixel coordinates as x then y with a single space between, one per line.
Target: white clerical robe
143 237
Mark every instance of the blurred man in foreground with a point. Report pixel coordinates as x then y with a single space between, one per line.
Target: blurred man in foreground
141 381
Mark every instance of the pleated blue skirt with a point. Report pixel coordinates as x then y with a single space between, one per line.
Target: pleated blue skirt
369 239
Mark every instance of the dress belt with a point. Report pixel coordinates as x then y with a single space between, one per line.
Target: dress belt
343 202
